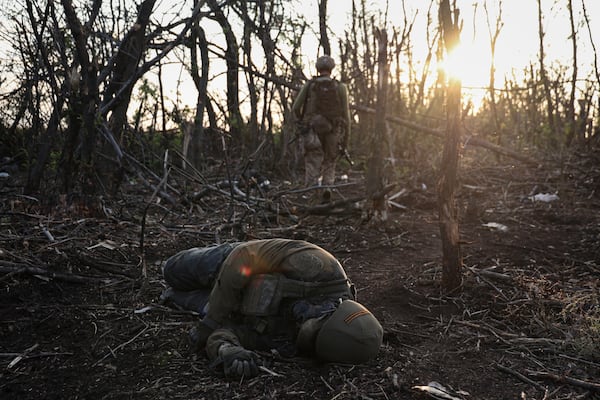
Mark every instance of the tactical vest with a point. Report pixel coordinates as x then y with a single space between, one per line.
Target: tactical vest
266 291
323 99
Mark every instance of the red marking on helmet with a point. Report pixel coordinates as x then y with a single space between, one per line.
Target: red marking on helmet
355 315
245 270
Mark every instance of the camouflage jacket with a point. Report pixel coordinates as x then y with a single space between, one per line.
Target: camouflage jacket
260 282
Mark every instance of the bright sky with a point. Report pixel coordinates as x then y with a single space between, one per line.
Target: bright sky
517 44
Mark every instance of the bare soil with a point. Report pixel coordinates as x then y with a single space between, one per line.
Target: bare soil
78 320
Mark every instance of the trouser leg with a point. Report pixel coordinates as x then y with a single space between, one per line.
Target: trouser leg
195 300
330 154
313 156
190 275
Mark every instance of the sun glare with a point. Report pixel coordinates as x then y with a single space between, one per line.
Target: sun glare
469 63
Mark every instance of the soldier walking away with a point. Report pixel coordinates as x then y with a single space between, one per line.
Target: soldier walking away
274 294
323 118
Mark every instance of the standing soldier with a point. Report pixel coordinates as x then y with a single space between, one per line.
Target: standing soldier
321 108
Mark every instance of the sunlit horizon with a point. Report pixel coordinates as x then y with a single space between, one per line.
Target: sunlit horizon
517 44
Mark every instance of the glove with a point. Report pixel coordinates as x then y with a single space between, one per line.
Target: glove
238 361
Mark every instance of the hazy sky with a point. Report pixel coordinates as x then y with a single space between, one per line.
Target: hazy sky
517 44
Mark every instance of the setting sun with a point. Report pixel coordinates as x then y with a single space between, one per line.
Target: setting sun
468 63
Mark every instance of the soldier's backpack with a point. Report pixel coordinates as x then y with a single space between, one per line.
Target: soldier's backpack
324 100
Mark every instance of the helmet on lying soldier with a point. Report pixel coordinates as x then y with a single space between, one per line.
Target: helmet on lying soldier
351 335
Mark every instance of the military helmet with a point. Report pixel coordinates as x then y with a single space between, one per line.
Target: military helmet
352 335
325 63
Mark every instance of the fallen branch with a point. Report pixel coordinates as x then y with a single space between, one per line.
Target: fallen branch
480 274
19 357
474 140
27 356
327 208
494 331
537 341
16 269
520 376
103 266
492 275
310 188
566 379
113 352
268 371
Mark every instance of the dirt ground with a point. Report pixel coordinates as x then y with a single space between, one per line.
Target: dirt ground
79 321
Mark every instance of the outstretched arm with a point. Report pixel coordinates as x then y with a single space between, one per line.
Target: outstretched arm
223 348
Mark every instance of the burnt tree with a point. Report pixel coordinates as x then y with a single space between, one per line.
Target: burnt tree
448 219
545 80
375 170
194 142
324 38
231 60
118 93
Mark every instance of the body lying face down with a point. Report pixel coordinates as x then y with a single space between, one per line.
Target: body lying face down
280 295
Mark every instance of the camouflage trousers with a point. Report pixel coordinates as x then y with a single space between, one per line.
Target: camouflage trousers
320 156
190 275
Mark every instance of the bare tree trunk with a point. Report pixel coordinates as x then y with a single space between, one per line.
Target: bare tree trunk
369 67
250 77
587 24
431 41
84 102
360 87
375 173
324 38
163 110
197 148
571 105
49 134
126 63
448 219
584 122
234 114
290 153
36 172
544 78
492 83
401 45
266 26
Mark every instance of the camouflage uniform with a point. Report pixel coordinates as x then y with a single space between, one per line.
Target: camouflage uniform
191 274
265 292
321 146
239 303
